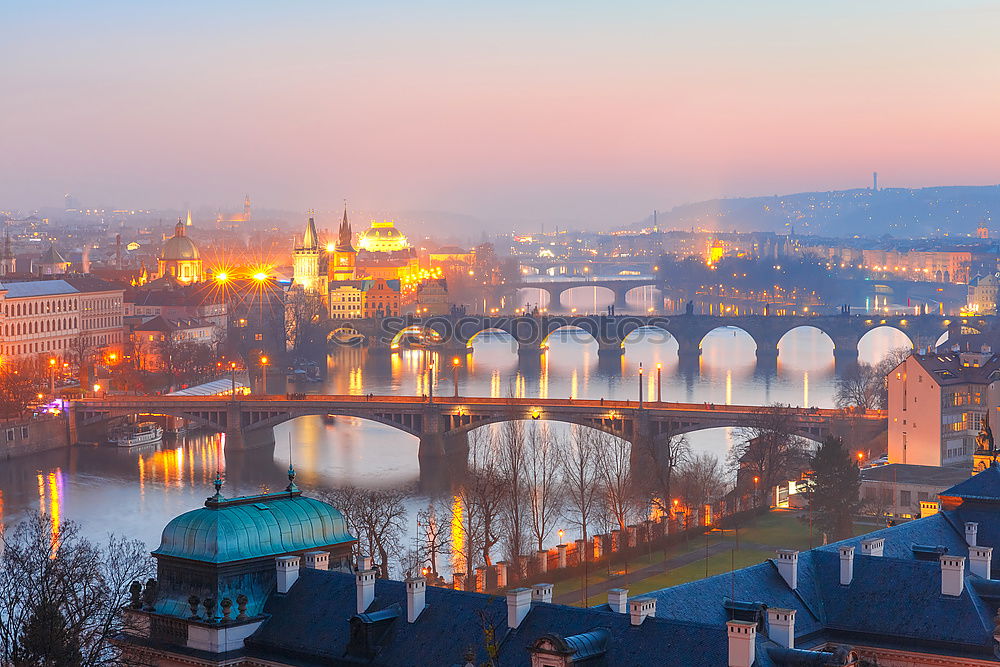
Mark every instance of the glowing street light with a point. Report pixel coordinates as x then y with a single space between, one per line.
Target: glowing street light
659 394
640 384
260 276
221 277
455 363
561 533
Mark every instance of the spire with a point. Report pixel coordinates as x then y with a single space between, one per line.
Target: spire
310 240
246 208
344 235
188 221
179 229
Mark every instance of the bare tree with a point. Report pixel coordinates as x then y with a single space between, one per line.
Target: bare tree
767 449
701 480
304 312
512 464
20 384
87 586
662 456
434 535
545 493
377 518
480 502
615 477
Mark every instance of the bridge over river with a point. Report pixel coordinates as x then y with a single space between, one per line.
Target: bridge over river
441 424
458 332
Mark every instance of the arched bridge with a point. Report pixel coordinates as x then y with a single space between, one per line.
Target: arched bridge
532 333
442 424
619 287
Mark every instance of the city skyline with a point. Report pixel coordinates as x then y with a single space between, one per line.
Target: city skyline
513 115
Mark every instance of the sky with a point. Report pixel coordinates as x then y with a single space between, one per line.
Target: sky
587 114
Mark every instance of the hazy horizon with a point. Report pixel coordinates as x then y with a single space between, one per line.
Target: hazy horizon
575 114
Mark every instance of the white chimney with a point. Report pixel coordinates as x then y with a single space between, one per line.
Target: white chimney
787 561
317 560
640 608
518 605
742 643
980 561
952 575
618 600
288 571
541 593
781 626
872 546
416 591
365 581
971 528
846 565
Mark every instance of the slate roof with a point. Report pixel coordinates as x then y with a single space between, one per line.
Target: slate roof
31 288
908 473
982 487
946 368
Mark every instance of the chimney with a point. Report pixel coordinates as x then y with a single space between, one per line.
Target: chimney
288 571
846 565
618 600
952 575
317 560
971 529
518 605
781 626
787 561
416 590
640 608
501 568
541 593
742 643
365 581
872 546
981 561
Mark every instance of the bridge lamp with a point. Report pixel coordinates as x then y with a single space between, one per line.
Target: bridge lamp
263 361
535 413
561 533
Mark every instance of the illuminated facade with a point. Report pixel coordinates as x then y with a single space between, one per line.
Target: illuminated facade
239 218
343 264
305 258
983 294
383 237
180 258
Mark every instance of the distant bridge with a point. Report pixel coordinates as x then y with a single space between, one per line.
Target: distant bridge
442 423
532 333
619 287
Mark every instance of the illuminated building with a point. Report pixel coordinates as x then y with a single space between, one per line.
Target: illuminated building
383 237
51 263
381 298
715 251
347 298
344 258
180 258
385 254
305 258
153 339
983 294
7 261
235 220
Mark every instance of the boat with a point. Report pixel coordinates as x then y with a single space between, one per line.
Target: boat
143 433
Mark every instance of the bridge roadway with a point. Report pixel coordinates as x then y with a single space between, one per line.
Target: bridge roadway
442 423
457 332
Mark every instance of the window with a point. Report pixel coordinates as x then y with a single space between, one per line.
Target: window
10 435
904 499
24 431
258 337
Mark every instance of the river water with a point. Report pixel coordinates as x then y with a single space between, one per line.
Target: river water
136 492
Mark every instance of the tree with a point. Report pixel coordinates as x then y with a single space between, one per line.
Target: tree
512 464
663 457
833 489
615 478
20 384
191 361
434 536
481 497
61 595
46 640
545 493
304 312
767 449
866 385
701 480
580 461
377 517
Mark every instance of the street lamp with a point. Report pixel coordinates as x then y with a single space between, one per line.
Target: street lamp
756 498
659 386
232 370
561 533
263 373
430 382
454 373
52 377
97 390
640 384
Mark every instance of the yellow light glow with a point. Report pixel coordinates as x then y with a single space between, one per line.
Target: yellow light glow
221 277
260 276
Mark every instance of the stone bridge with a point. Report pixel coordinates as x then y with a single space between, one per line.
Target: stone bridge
441 424
620 287
458 333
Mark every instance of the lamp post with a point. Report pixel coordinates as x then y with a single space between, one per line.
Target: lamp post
52 377
232 371
659 385
640 384
263 373
430 383
454 373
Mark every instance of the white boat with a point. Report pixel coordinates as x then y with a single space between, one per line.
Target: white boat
143 433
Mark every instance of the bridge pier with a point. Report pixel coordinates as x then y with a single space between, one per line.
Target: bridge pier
767 356
845 358
529 349
610 348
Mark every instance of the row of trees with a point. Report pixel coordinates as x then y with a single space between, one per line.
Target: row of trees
865 386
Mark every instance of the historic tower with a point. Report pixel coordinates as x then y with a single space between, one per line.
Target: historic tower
305 260
343 264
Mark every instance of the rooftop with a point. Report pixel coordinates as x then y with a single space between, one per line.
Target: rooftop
906 473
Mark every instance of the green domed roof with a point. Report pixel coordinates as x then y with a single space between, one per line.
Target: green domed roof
253 527
179 246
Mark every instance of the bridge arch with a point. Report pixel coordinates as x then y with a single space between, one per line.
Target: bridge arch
736 331
791 346
609 296
471 341
872 350
572 326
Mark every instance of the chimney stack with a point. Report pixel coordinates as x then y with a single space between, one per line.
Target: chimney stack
640 608
742 643
287 570
781 626
872 546
971 529
416 590
618 600
981 561
541 593
518 605
846 565
952 575
317 560
787 561
365 582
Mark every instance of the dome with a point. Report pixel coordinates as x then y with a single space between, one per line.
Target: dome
179 248
383 237
253 527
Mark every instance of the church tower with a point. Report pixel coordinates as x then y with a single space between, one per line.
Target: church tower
246 208
343 264
305 259
7 259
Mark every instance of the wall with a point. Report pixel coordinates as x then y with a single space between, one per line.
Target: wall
42 434
914 415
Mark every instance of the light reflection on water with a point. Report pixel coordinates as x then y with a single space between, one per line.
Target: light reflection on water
136 492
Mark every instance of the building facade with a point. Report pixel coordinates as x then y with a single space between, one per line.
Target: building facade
305 262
